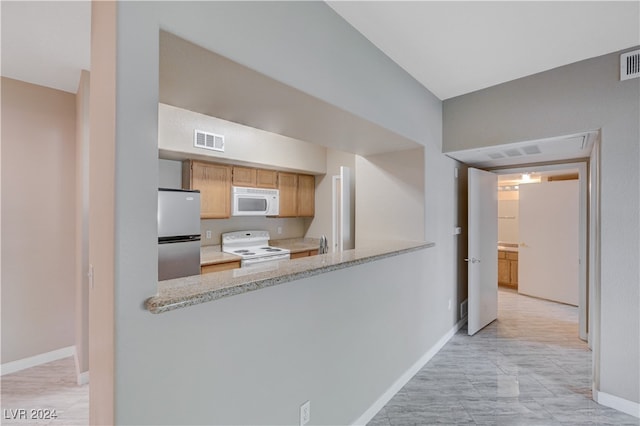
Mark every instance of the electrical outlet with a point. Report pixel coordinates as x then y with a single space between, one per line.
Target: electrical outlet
305 413
279 229
208 235
449 304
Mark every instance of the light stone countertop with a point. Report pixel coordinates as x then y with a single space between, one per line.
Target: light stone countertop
296 245
504 246
196 289
210 255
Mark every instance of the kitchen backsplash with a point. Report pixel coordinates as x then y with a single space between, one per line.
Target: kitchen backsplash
288 227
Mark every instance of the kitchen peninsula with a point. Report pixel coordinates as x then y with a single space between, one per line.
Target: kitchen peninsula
193 290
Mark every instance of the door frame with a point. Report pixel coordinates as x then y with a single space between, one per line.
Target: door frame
583 226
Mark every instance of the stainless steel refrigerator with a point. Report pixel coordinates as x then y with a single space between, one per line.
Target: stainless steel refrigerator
178 233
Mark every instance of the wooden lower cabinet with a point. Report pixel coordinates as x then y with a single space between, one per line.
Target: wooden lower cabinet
217 267
304 254
508 268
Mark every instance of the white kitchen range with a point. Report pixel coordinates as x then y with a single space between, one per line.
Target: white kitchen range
253 247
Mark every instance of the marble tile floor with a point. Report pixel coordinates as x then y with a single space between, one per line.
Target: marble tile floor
526 368
46 387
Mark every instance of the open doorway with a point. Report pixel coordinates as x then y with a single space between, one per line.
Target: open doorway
543 234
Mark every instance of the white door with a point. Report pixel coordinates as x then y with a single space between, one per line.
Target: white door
482 258
548 254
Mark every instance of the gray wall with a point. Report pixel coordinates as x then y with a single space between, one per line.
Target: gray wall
575 98
210 363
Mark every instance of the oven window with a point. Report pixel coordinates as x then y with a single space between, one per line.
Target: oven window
252 204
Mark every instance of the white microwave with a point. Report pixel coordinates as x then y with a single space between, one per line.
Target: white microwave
255 201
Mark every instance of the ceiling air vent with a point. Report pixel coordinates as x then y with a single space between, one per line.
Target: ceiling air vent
630 65
208 141
531 149
513 152
495 155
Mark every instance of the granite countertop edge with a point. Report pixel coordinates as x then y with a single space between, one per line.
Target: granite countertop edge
160 304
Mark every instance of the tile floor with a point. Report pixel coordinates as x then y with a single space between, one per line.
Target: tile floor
526 368
50 386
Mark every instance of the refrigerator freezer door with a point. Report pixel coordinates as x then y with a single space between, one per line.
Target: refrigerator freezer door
178 213
178 259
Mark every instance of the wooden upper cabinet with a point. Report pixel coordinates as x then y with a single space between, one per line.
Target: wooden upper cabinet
214 183
306 195
266 178
256 178
288 186
244 176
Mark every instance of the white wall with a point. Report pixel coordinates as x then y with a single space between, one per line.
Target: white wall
572 99
322 222
508 216
169 174
243 144
210 363
390 199
38 220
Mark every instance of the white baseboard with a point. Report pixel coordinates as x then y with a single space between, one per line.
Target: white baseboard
404 379
617 403
21 364
83 378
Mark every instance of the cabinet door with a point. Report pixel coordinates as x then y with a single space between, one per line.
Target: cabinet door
504 271
306 195
244 176
288 186
266 178
214 183
514 272
216 267
299 255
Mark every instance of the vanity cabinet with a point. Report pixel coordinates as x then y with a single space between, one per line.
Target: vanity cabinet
508 268
214 183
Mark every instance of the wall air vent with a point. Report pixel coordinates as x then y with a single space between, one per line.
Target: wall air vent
208 141
630 65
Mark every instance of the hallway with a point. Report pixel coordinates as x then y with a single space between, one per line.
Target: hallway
526 368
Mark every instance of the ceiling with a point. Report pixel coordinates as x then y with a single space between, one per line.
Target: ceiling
46 42
457 47
450 47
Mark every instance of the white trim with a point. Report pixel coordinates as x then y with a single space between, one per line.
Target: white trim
83 378
617 403
404 379
21 364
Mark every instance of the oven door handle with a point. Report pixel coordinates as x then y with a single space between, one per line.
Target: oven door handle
256 261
